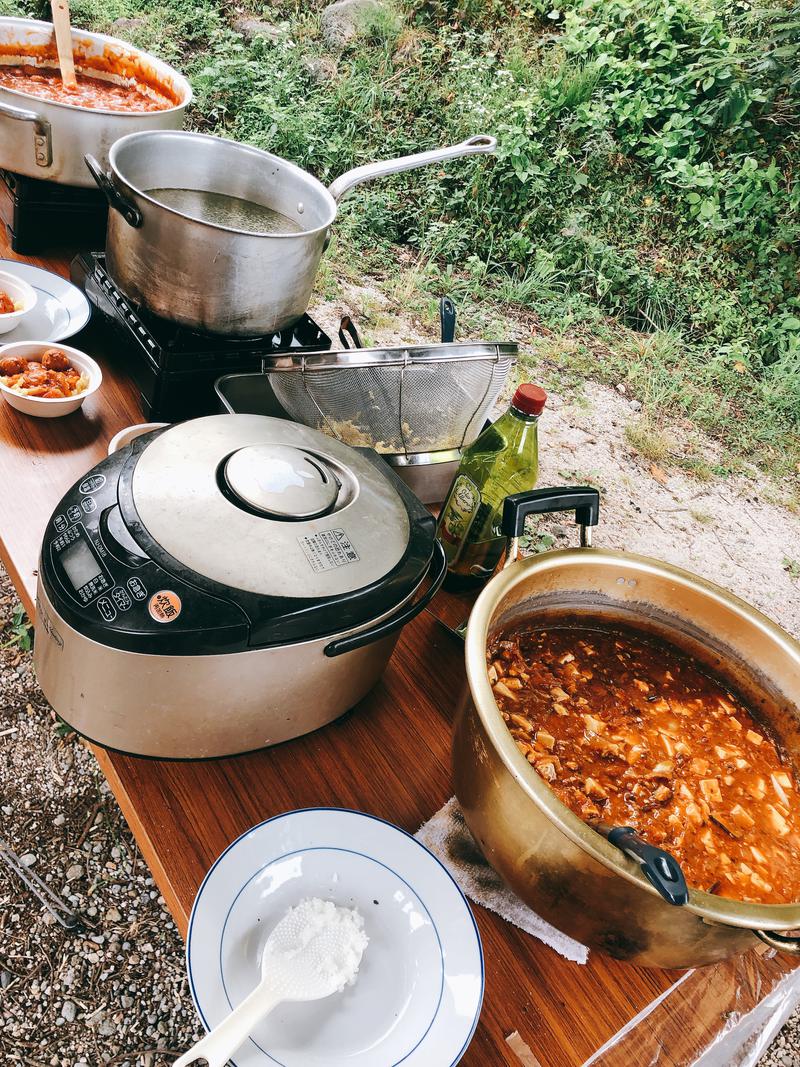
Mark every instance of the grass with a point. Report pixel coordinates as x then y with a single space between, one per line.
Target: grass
640 223
19 631
650 441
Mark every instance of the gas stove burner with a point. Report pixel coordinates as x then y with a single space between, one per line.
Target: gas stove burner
40 215
174 367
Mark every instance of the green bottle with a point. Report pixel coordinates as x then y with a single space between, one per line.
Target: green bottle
503 460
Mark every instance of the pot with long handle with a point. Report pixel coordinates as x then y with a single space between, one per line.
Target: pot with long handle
213 277
46 139
558 864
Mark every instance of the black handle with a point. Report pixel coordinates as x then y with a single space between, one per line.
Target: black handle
116 200
660 868
436 572
347 326
447 319
581 499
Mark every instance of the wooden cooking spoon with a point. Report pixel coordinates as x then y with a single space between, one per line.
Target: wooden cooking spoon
61 24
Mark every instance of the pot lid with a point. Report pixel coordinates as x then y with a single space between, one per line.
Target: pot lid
281 481
267 506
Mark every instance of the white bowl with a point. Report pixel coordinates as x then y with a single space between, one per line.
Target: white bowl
20 292
56 406
130 433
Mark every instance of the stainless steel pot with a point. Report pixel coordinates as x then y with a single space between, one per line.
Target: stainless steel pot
209 277
44 139
560 866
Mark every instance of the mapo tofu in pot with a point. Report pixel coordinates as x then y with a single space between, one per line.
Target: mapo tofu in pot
626 729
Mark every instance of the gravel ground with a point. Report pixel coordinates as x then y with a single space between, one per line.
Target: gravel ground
117 992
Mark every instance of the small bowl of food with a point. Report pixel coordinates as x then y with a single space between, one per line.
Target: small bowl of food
17 298
46 380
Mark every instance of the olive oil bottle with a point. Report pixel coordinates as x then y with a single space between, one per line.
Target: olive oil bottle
503 460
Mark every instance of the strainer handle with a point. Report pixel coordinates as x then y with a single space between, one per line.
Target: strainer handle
481 142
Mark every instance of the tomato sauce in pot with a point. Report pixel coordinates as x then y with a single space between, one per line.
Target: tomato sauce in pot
90 92
628 730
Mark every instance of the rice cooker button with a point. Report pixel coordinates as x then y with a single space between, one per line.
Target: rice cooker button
74 513
137 588
89 504
121 598
92 484
106 609
60 522
164 606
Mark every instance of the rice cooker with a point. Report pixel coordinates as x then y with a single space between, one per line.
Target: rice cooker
225 584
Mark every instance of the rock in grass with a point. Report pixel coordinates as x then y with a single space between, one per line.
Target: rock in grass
123 26
345 20
320 69
249 26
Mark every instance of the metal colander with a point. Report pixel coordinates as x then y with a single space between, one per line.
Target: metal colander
421 398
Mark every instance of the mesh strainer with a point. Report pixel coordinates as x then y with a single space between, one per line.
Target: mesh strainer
411 400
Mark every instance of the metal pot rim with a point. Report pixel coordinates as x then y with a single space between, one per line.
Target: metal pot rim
714 909
268 157
181 83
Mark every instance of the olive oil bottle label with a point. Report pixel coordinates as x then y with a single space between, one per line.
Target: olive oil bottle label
458 516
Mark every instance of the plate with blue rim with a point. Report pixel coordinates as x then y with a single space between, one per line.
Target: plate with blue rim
418 994
61 310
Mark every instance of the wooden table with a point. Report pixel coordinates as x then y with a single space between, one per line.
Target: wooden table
390 757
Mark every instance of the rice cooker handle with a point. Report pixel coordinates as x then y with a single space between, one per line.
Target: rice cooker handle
436 573
581 499
780 942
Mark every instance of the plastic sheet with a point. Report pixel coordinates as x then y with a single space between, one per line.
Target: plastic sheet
720 1016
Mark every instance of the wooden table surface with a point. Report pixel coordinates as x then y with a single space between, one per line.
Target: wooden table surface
389 757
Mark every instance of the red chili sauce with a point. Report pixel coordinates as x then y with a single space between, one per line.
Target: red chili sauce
628 730
90 92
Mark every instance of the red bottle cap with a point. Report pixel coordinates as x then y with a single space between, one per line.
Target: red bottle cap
529 398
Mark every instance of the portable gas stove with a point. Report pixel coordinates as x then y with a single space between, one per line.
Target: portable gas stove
175 368
41 215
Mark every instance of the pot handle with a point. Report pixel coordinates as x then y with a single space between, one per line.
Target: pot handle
42 140
116 200
660 868
581 499
780 942
482 142
436 573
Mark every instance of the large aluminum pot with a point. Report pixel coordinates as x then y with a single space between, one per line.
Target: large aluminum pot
210 277
566 871
44 139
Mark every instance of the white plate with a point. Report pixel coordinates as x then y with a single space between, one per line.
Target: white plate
418 994
61 309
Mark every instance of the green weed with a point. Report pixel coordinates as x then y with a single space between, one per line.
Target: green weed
20 629
644 191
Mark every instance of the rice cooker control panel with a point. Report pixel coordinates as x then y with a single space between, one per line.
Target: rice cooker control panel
104 584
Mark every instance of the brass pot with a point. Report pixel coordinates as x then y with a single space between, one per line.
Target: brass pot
566 871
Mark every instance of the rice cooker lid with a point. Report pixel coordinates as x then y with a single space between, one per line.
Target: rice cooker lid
305 534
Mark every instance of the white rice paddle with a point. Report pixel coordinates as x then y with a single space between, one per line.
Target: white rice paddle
313 952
